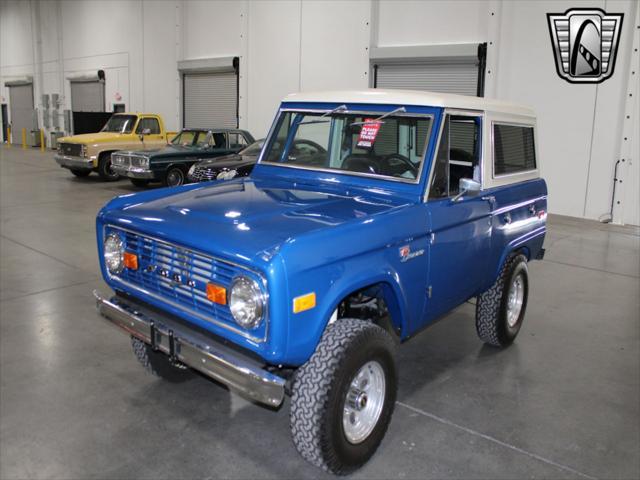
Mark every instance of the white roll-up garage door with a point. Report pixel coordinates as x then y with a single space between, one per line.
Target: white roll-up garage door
450 68
87 96
23 115
445 77
210 100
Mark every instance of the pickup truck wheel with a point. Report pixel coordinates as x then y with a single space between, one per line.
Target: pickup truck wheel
104 168
500 310
344 396
174 177
158 364
80 173
139 182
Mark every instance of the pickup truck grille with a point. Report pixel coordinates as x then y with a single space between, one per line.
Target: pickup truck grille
72 149
204 174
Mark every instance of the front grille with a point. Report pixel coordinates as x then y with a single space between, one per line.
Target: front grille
129 160
72 149
204 174
181 275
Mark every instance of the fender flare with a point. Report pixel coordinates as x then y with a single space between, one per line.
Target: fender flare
392 291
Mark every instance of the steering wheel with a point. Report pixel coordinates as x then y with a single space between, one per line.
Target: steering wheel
409 164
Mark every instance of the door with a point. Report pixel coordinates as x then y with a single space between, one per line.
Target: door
149 131
460 224
210 100
443 71
5 123
22 111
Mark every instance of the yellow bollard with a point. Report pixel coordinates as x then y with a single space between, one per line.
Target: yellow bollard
9 136
24 138
41 140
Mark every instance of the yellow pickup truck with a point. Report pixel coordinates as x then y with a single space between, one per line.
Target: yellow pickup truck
91 152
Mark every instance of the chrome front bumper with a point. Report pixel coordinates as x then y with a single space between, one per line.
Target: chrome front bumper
133 172
196 350
77 163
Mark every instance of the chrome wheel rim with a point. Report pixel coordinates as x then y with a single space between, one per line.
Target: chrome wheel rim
515 300
174 177
363 402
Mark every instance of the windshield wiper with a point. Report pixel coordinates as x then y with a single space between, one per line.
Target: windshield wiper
339 109
377 120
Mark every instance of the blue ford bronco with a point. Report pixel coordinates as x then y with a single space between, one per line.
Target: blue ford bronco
302 278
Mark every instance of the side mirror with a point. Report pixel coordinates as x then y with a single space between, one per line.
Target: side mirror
145 131
468 187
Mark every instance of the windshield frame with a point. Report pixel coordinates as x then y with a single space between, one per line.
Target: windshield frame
359 112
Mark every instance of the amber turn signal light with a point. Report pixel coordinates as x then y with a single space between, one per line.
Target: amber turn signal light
216 293
130 261
304 302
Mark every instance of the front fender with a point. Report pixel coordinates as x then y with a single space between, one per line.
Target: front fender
332 284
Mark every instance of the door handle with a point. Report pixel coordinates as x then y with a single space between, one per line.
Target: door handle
489 198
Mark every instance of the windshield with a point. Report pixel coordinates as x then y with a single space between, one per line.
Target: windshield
253 149
199 138
386 146
120 124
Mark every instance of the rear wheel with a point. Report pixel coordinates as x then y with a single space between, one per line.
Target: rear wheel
158 364
344 396
80 173
139 182
104 168
174 177
500 310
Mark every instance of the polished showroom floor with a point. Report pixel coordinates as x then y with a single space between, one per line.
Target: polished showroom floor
562 402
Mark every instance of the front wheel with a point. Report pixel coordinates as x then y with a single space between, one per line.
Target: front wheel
104 168
500 310
174 177
343 397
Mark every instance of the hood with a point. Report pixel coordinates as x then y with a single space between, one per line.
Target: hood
178 151
245 218
98 137
231 158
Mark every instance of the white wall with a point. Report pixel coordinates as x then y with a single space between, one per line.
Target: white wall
292 45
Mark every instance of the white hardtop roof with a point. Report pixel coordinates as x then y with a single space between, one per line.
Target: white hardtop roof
411 97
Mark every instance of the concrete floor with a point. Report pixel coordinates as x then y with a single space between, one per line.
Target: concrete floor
562 402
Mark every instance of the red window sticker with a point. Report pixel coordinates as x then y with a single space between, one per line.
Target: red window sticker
368 133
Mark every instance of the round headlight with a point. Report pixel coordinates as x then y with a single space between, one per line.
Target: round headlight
246 302
114 253
191 170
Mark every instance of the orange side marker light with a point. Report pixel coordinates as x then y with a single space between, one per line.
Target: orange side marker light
131 261
216 293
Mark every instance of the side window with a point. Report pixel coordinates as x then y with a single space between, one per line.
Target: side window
236 140
217 140
514 149
458 155
151 123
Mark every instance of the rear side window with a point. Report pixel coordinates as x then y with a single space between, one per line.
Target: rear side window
514 149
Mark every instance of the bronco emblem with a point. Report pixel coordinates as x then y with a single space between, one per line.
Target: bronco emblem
585 43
